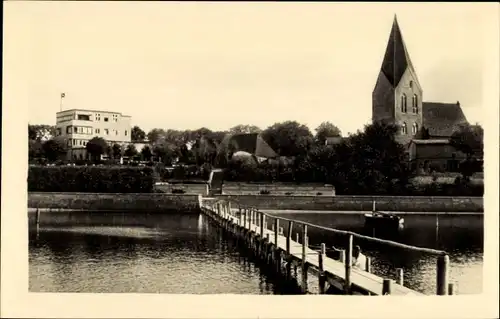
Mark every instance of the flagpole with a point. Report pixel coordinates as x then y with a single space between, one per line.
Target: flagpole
61 101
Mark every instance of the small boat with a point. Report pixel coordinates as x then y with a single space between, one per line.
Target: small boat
383 220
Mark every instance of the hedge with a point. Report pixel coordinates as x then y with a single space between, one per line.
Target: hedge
90 179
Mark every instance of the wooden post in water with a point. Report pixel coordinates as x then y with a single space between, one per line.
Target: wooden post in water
262 221
399 276
276 230
37 220
266 248
348 266
442 275
368 265
342 256
321 276
289 237
244 218
304 258
386 287
450 289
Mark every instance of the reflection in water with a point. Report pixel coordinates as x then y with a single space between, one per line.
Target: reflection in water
176 253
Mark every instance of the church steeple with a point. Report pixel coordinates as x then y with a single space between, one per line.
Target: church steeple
396 58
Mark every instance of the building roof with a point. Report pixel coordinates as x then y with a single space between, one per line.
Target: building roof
396 58
252 143
442 119
88 110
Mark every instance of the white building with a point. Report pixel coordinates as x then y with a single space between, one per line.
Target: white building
79 126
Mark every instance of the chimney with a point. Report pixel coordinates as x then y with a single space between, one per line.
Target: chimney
458 103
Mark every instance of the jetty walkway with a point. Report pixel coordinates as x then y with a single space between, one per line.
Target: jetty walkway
286 256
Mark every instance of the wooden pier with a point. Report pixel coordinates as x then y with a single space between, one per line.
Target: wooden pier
285 255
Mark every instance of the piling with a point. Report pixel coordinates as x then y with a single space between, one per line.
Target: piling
386 287
262 221
289 237
342 256
276 229
348 266
321 276
399 276
304 258
37 219
442 275
368 266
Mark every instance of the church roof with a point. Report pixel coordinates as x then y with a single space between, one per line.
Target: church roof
396 58
252 143
442 119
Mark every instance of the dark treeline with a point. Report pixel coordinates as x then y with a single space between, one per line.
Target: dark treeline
367 162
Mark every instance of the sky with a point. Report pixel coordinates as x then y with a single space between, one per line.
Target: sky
175 65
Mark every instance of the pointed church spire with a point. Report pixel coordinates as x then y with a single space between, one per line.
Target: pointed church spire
396 58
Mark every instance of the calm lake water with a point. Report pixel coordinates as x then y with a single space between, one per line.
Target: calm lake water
179 253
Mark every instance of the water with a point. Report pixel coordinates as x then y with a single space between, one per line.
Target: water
179 253
173 253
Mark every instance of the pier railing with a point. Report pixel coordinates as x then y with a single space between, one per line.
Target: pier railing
255 220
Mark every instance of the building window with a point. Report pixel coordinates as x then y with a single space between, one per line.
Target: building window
403 103
58 131
403 128
116 132
411 84
415 104
97 131
69 142
106 119
98 117
83 117
415 128
125 132
106 131
74 142
68 129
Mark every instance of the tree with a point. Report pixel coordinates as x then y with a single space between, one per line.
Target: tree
96 147
244 128
41 132
130 151
369 162
326 129
155 135
146 153
468 139
117 151
288 138
35 149
165 151
54 148
137 135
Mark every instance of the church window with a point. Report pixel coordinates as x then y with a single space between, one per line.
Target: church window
403 128
415 128
403 103
415 104
411 84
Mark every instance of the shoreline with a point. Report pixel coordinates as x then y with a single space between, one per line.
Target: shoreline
161 202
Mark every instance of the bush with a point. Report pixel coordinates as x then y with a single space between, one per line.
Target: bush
90 179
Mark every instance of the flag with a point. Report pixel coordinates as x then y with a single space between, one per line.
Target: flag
63 95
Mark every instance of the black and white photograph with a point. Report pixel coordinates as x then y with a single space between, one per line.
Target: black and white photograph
256 148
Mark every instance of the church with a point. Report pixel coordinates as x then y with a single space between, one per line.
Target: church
424 127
